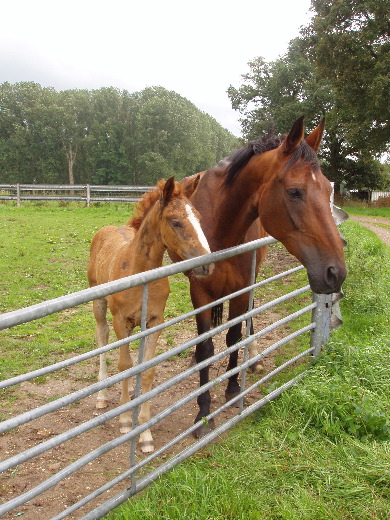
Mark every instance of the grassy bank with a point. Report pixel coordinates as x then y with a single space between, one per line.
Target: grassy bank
320 451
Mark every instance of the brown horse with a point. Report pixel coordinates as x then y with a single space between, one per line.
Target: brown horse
272 186
165 219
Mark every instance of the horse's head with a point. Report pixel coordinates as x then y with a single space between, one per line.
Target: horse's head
294 207
180 228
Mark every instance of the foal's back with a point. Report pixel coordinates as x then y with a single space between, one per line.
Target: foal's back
109 259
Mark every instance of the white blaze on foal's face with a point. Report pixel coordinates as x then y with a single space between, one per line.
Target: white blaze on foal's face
199 231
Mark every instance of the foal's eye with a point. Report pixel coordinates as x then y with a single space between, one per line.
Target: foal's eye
295 193
176 224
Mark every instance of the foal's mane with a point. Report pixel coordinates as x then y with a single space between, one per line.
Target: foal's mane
147 202
241 157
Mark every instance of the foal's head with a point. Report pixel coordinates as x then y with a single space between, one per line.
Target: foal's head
178 223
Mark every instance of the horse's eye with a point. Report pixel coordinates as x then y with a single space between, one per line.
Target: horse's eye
295 193
176 224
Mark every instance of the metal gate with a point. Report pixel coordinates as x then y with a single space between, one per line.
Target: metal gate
141 471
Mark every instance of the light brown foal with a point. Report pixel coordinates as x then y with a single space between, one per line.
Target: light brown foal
164 218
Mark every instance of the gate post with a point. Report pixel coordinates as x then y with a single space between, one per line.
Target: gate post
321 316
18 195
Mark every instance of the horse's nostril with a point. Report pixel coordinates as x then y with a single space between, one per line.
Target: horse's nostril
332 275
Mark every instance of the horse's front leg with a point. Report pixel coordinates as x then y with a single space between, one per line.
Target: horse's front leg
203 351
234 335
102 333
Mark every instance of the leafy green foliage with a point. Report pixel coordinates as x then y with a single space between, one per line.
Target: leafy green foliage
104 136
338 67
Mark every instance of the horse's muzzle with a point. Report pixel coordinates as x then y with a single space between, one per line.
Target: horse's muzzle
327 281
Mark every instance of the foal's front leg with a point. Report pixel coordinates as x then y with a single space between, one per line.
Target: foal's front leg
147 378
125 361
102 333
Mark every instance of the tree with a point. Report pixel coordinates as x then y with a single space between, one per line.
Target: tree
315 77
348 42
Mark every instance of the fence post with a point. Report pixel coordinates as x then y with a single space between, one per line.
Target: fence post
18 195
88 195
321 316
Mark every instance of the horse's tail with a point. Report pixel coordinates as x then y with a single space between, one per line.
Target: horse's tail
216 314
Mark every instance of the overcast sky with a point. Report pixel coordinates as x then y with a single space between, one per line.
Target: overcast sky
196 48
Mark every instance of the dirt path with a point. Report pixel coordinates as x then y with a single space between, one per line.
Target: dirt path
372 224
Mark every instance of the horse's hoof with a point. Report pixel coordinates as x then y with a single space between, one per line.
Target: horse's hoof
204 429
257 368
101 403
236 403
146 446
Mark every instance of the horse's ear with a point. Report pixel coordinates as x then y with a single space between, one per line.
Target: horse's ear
314 138
168 190
294 137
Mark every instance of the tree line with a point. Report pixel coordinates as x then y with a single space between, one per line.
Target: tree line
339 67
104 136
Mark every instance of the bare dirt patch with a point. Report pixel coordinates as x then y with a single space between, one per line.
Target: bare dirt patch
31 395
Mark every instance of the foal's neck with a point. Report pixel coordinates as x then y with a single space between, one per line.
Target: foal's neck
147 243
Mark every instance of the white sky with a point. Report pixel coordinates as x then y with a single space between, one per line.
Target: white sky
196 48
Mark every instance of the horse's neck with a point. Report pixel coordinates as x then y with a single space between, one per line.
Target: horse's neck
228 213
147 245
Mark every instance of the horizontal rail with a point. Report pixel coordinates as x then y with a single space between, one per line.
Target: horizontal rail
39 310
111 346
109 381
83 461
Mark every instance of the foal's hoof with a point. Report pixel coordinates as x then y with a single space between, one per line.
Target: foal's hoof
204 429
257 368
101 403
146 446
125 428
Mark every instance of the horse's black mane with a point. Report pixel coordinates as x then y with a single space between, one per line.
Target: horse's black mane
242 156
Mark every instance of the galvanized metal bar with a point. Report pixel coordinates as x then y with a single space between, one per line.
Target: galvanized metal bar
321 317
183 435
40 310
55 441
81 462
100 511
248 323
70 398
137 390
87 355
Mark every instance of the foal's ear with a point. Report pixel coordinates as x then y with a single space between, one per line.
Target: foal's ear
314 138
168 190
294 137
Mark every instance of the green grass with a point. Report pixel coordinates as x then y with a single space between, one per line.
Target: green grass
43 255
320 451
367 211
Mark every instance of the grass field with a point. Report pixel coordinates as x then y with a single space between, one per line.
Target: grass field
321 451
